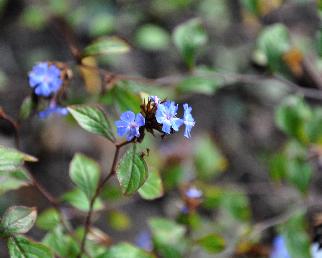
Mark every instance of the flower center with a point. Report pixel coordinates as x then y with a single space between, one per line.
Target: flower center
133 125
46 79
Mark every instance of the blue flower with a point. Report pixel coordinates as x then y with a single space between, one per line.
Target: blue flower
188 120
45 79
144 240
53 109
193 193
279 248
129 125
166 115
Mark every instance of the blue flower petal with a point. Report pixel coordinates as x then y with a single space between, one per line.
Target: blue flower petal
128 116
140 120
122 127
188 120
52 110
176 123
279 248
166 128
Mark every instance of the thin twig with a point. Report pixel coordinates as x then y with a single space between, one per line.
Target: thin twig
13 124
52 200
227 79
99 189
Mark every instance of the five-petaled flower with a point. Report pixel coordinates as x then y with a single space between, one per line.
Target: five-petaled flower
129 125
166 115
188 120
45 79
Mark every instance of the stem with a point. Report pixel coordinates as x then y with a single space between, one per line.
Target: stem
13 124
99 189
52 200
55 204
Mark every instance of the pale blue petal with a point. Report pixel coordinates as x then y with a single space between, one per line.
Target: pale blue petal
58 110
54 71
122 127
166 128
187 132
176 123
140 120
128 116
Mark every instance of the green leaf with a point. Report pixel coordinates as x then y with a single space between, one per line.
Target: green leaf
93 120
208 159
168 237
97 240
79 200
118 220
296 238
212 196
125 250
299 173
195 84
111 193
12 180
273 42
236 203
152 188
102 23
11 159
33 17
18 219
313 128
278 166
251 5
106 46
132 171
188 38
292 115
212 243
48 219
85 173
152 37
173 176
124 96
26 108
63 245
21 247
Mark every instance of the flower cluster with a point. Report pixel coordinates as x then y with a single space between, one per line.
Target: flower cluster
45 79
155 115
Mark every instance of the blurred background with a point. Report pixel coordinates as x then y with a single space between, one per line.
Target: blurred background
252 55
